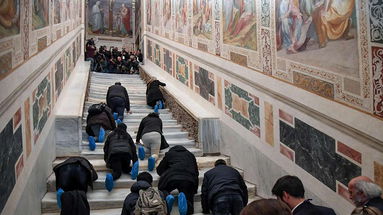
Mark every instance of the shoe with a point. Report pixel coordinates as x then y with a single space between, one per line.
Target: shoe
115 115
101 135
109 183
169 203
92 143
151 163
162 104
156 108
59 193
135 169
118 121
141 152
182 204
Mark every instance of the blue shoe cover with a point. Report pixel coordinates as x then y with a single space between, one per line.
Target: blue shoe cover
151 163
134 172
141 152
109 183
118 121
92 143
115 115
169 203
162 106
101 135
156 108
182 204
59 193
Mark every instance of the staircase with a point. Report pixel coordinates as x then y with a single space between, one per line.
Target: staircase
100 200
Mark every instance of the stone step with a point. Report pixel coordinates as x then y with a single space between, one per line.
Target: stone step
187 143
133 129
136 122
169 135
132 106
135 115
124 181
102 199
99 153
202 162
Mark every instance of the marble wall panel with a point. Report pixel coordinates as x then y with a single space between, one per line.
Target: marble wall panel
168 61
314 85
219 93
182 70
378 173
286 151
269 124
5 66
349 152
16 119
238 58
315 152
68 63
27 127
204 83
376 20
149 50
42 43
377 71
243 107
42 100
157 55
19 166
59 77
11 147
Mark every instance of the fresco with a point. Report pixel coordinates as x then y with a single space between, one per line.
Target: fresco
149 12
202 18
181 16
9 18
167 15
316 33
182 70
110 17
11 148
41 107
40 14
239 23
157 15
243 107
57 11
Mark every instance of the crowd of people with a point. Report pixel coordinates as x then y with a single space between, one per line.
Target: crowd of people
112 60
223 189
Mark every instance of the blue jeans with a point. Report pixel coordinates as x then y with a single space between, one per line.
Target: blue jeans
228 204
117 104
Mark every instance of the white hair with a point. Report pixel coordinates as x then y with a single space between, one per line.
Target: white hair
370 189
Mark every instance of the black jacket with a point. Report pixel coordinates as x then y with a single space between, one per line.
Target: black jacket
131 199
118 91
376 202
178 165
83 162
119 145
152 122
219 181
153 92
308 208
105 119
74 203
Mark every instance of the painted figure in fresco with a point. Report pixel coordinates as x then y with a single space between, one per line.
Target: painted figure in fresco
9 17
125 20
181 16
40 13
167 12
241 17
149 12
96 20
202 12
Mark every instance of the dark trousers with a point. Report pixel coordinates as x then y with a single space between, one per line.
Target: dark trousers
117 104
95 129
120 163
73 177
187 188
227 204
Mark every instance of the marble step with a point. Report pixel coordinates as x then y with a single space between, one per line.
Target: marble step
136 122
169 135
187 143
202 162
99 153
132 106
135 115
102 199
132 130
124 181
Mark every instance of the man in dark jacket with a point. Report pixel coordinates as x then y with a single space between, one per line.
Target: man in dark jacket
74 174
144 181
290 190
154 97
150 131
96 124
179 170
223 190
364 192
117 99
74 203
119 150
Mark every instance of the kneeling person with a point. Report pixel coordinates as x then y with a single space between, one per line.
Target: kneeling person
119 150
223 190
117 99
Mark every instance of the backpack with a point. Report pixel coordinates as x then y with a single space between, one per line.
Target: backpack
95 109
150 202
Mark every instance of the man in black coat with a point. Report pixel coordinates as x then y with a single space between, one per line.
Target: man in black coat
364 192
179 170
144 181
154 95
117 99
223 190
290 190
